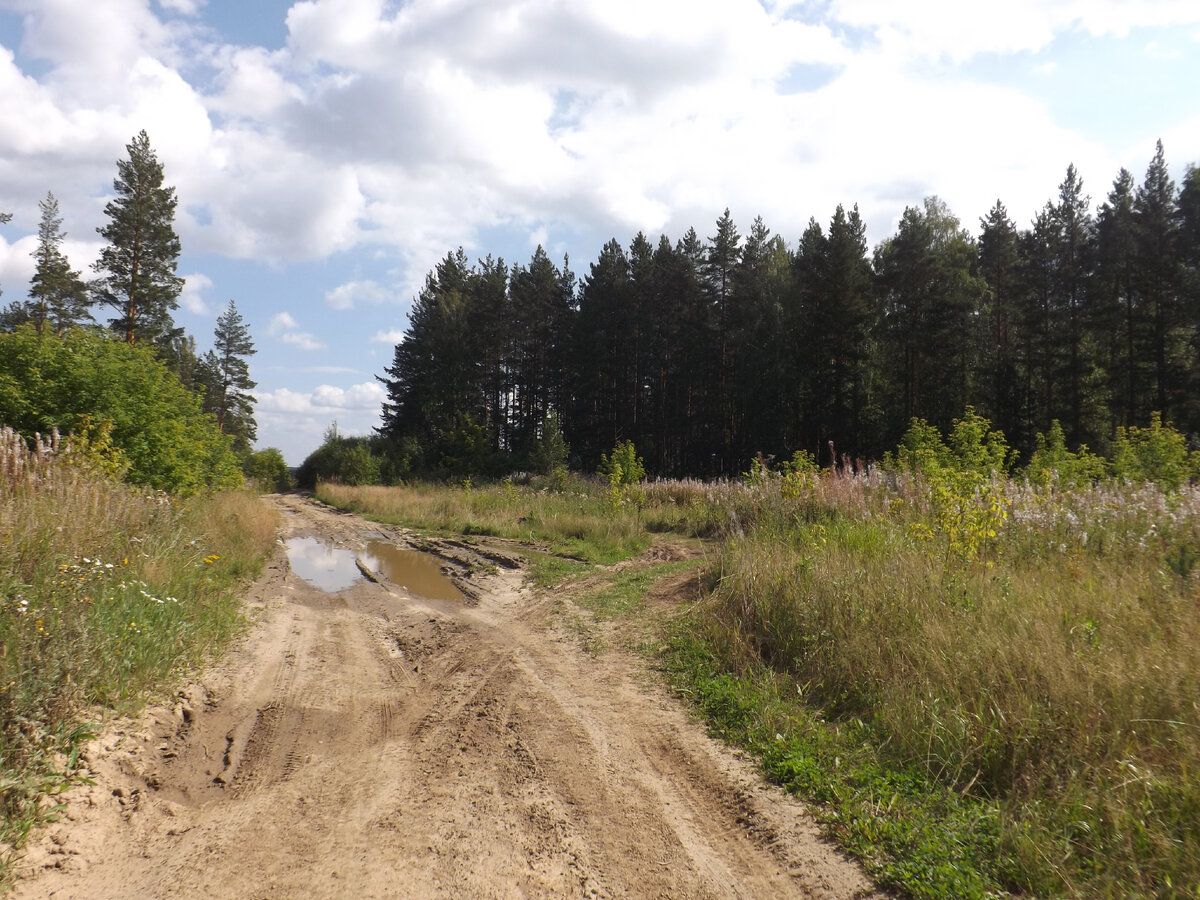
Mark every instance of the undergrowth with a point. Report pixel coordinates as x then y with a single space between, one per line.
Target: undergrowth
106 591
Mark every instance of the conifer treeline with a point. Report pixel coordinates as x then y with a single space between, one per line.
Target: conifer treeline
707 352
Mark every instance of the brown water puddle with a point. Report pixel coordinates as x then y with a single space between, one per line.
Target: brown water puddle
334 569
417 572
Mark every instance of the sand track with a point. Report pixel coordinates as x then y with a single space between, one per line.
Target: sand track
372 744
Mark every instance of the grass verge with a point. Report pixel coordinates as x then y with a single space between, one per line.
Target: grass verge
106 593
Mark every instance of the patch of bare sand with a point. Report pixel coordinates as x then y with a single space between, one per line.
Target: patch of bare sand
372 744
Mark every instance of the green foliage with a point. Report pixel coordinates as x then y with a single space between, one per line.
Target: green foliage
972 447
137 266
466 448
91 448
801 463
1053 461
1157 453
625 467
224 376
346 460
106 593
269 469
551 451
968 507
47 383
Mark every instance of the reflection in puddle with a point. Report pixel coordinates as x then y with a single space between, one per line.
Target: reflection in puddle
334 569
419 573
322 565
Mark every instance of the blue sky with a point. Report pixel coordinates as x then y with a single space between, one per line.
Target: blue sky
327 153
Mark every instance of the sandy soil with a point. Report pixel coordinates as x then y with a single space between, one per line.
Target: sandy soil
373 744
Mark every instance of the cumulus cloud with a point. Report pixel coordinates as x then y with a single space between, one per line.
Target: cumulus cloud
280 323
413 128
392 336
324 399
345 296
285 328
192 296
302 339
296 420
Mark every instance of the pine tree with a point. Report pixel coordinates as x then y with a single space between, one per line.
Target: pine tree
1120 317
227 377
57 293
1189 234
1072 240
605 395
721 257
138 265
1156 276
930 301
999 265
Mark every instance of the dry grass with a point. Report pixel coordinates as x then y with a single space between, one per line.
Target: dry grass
1057 674
105 591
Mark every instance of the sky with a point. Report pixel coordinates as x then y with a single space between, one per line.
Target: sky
327 153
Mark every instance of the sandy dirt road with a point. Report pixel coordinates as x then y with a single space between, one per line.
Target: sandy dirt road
369 743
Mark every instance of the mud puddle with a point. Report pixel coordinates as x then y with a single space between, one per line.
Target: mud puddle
322 564
417 572
334 569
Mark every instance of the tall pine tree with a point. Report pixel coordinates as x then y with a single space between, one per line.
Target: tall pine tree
227 378
1156 277
137 266
58 296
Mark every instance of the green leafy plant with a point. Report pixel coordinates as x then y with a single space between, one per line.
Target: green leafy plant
1157 453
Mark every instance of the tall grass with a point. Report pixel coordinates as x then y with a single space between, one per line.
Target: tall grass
582 520
1054 671
105 591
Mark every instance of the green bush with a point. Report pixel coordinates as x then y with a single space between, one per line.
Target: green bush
1157 453
625 467
348 460
1052 460
150 425
551 451
269 468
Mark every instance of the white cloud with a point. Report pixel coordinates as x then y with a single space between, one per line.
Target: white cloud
345 296
295 421
16 266
325 398
302 339
392 336
285 327
184 7
410 129
191 298
280 323
959 31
